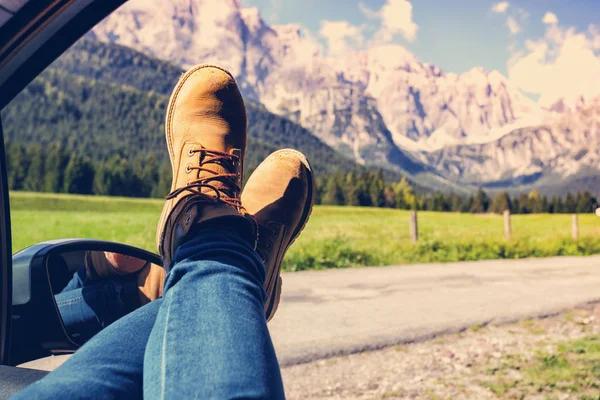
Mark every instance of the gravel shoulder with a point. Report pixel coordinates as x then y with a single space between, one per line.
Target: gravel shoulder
556 357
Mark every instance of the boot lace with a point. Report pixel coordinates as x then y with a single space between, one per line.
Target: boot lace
213 157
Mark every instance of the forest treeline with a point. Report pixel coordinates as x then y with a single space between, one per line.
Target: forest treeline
368 188
56 170
100 120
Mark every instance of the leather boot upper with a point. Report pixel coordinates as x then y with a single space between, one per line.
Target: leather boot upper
280 194
150 282
206 137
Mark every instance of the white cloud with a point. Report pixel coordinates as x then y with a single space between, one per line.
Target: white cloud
513 25
368 12
562 65
397 18
394 18
500 7
550 18
341 36
516 16
595 35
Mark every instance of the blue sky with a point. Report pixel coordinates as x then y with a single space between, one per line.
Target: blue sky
455 35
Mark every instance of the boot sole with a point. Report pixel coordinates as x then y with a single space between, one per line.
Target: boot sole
168 134
310 201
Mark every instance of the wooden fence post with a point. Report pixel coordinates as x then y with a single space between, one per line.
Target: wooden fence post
507 229
414 229
575 227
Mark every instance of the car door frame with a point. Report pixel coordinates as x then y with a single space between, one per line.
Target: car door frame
31 40
5 258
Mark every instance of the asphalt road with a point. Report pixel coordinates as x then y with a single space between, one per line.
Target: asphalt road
336 312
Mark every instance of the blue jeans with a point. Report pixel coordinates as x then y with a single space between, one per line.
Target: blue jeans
207 338
86 307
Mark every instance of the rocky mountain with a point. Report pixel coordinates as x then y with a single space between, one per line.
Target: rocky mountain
118 97
559 148
371 104
381 106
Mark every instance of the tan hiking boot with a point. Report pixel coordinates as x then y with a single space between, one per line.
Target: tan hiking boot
280 194
150 278
206 138
150 281
106 264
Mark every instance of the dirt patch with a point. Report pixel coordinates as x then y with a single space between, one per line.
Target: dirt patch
549 358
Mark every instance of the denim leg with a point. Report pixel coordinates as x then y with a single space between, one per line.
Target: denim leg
88 309
210 340
109 366
76 282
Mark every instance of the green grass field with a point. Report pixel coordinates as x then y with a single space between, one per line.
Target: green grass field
336 237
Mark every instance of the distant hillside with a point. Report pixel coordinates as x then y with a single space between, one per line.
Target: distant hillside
116 97
104 99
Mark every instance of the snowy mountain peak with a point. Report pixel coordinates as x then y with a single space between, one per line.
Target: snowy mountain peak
252 19
389 57
372 104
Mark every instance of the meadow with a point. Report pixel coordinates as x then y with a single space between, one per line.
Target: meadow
335 237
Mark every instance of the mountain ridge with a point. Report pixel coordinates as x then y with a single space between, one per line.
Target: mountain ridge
420 106
382 106
100 88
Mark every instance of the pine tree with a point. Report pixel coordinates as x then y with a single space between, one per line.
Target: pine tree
585 202
78 175
501 203
163 186
333 194
54 169
146 176
456 202
35 176
390 200
18 168
523 204
536 205
552 205
570 205
398 193
362 189
439 202
350 189
404 195
545 204
559 206
115 178
481 202
376 189
468 204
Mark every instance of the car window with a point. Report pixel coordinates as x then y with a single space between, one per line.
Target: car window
83 139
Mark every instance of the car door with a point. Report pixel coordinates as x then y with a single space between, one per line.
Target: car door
33 33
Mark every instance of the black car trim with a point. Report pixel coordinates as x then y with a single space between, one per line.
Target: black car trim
5 258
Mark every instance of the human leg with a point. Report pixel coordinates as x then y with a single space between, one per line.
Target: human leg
109 365
205 235
87 310
211 338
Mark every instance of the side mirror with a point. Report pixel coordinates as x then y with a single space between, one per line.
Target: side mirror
66 291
